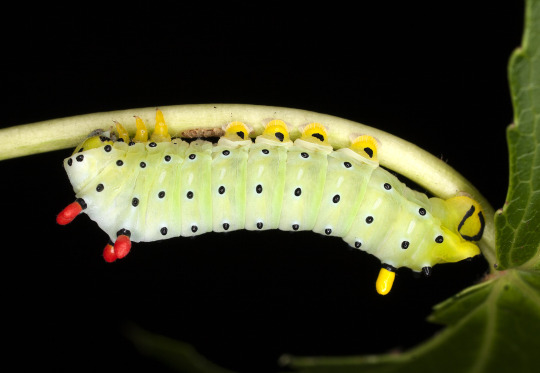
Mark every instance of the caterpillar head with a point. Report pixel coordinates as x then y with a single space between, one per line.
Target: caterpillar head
452 248
468 217
462 225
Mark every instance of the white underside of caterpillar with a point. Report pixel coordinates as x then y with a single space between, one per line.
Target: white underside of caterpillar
144 189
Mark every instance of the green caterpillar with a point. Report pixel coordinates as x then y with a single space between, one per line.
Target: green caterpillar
144 189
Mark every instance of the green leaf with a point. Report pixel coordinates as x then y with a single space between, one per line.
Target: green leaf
518 225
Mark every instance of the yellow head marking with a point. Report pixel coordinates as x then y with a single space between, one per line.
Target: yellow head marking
276 130
315 133
469 221
366 146
161 134
141 133
237 131
122 133
385 280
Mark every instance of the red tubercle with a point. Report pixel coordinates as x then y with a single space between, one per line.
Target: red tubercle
108 253
69 213
122 246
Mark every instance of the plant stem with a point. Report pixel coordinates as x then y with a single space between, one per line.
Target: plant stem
396 154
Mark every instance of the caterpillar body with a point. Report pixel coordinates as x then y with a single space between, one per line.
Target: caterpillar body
143 189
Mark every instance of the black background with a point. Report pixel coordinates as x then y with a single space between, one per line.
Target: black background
434 75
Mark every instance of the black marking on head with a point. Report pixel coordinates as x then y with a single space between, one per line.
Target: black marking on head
152 145
405 245
279 136
167 158
131 143
81 203
240 134
192 156
336 198
161 194
135 202
297 192
119 162
104 138
304 155
318 136
120 140
221 189
164 231
478 236
265 151
70 162
369 152
357 244
422 211
259 189
426 271
439 239
123 232
100 187
81 150
369 219
189 194
347 164
226 226
194 228
142 164
80 158
259 225
387 186
295 227
328 231
389 267
225 153
107 148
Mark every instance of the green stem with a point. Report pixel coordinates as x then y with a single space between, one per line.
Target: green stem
399 155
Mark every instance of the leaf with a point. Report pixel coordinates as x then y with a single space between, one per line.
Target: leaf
518 225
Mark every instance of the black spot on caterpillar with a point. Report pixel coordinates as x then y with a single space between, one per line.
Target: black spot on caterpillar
168 188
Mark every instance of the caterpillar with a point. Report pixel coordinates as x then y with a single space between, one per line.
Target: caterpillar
153 188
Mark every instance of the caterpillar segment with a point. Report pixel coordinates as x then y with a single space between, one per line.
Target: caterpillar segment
153 187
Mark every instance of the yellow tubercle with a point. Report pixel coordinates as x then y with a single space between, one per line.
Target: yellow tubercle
141 133
315 133
122 132
276 130
366 146
385 280
237 131
161 133
92 143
